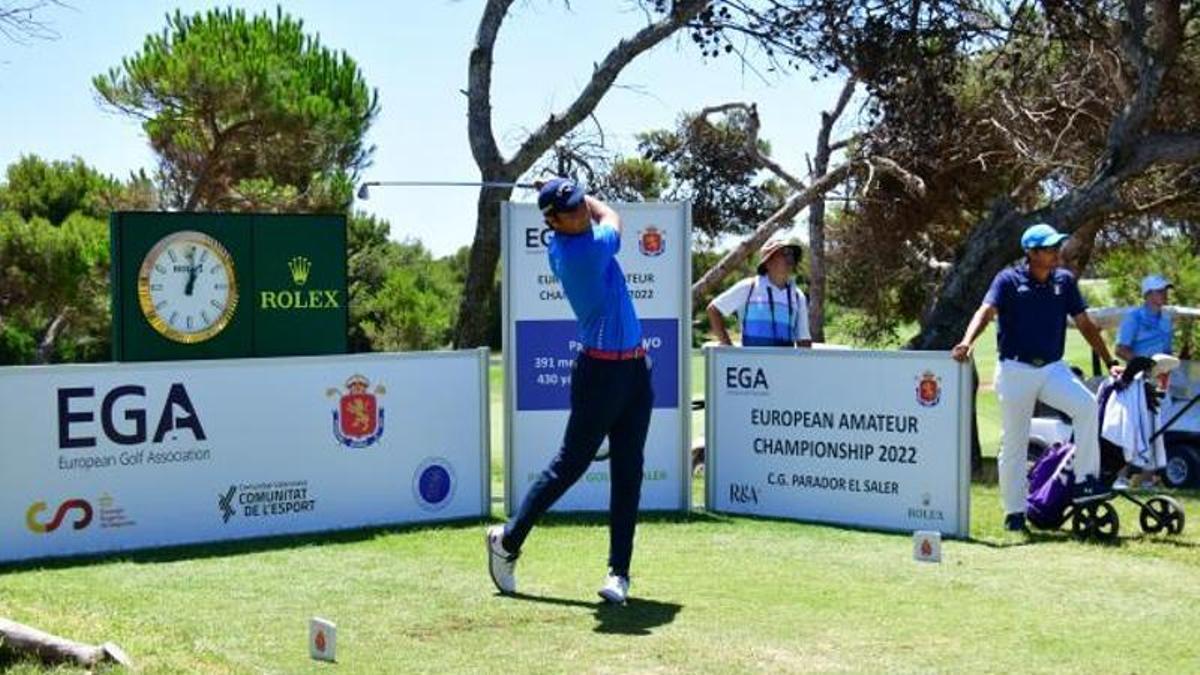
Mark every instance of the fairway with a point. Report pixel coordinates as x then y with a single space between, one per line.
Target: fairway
712 594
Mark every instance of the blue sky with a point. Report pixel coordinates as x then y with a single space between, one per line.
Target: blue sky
414 52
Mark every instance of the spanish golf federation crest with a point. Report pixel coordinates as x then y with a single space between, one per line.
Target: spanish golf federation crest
929 389
358 418
434 484
651 242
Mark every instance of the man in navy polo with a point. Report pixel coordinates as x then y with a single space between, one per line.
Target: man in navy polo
1033 300
610 385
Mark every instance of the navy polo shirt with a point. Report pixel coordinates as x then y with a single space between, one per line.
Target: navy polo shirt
592 279
1032 315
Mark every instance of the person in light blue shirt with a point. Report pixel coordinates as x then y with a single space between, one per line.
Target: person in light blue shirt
1146 331
611 396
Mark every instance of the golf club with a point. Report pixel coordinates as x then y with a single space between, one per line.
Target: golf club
364 193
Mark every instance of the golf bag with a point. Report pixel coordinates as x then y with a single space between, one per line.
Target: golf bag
1050 482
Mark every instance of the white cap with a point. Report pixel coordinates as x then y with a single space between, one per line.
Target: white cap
1163 363
1154 282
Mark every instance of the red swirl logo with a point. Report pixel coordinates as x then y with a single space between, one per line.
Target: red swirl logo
82 521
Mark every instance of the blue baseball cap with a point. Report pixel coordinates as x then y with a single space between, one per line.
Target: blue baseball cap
560 194
1041 236
1155 282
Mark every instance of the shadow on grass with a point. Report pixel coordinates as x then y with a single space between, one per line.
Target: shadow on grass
11 660
1032 538
235 547
229 548
1158 540
1063 537
644 518
636 617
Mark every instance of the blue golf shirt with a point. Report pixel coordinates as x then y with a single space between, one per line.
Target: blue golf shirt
1032 324
1146 333
592 279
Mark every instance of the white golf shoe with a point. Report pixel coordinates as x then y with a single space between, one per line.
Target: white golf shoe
501 564
615 589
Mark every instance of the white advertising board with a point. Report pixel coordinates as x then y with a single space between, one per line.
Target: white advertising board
97 458
860 438
540 345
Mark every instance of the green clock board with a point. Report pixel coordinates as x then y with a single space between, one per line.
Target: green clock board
227 285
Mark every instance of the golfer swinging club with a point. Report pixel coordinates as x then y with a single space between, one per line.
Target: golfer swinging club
610 385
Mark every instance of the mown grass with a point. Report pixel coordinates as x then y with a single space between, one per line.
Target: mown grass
712 594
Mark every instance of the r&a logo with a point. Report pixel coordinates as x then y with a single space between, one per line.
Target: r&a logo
740 493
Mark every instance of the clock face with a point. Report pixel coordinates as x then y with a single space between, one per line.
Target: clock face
187 287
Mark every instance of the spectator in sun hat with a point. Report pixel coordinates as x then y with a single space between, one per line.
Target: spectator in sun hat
1146 331
772 310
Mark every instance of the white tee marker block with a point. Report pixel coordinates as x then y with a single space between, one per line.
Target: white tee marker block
322 639
927 546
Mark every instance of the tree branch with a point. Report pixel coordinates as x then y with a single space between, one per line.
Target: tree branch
46 346
479 85
18 24
605 74
1163 148
1152 66
912 182
770 226
752 149
26 640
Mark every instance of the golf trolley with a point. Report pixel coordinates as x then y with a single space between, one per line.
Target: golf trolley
1157 513
1099 520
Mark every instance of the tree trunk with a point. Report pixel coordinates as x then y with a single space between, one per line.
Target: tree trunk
475 309
816 270
24 640
471 330
976 447
816 217
46 346
996 242
1077 253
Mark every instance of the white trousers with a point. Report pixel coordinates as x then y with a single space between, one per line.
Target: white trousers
1018 387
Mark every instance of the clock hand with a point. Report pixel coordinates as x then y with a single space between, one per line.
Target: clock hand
191 282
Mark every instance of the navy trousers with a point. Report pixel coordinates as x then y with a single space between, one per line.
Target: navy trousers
608 398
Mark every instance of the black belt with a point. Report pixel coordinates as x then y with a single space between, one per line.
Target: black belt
1032 361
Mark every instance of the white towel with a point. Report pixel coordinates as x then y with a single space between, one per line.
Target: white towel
1129 423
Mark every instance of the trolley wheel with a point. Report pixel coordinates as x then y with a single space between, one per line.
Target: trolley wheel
1095 520
1161 513
1183 466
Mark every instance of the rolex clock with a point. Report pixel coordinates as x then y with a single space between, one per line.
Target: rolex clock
191 286
187 287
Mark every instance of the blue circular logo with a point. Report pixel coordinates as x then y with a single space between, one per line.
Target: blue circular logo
433 484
